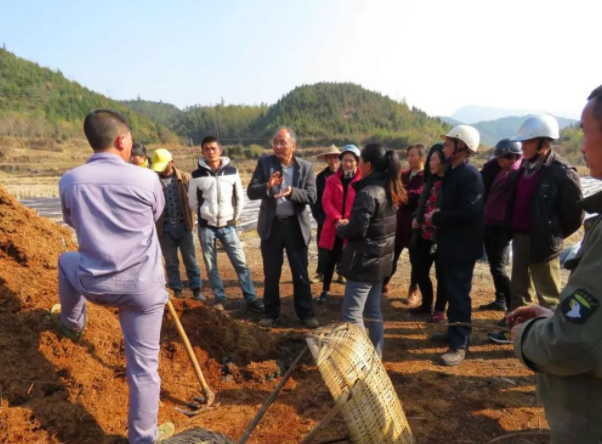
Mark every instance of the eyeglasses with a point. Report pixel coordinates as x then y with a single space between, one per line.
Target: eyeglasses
279 143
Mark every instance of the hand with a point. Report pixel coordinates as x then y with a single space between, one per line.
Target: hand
342 222
523 314
275 180
287 192
415 225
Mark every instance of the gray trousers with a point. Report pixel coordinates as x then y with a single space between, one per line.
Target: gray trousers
140 316
361 306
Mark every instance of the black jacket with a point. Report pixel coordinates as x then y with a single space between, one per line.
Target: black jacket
489 171
555 214
303 194
459 219
316 209
370 232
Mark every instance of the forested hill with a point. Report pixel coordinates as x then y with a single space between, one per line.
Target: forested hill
39 102
323 113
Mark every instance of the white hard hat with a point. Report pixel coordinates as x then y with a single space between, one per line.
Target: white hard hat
536 126
467 134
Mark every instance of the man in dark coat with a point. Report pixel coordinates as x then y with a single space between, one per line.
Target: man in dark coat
459 220
286 185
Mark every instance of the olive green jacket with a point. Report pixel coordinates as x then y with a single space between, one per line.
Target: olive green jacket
566 349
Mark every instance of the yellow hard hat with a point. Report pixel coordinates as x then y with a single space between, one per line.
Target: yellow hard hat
160 159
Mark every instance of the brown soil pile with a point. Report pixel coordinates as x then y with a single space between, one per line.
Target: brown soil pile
53 391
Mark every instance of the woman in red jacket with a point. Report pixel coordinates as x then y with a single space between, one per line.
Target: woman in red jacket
413 181
337 202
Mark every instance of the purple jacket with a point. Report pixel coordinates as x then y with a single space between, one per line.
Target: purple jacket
113 206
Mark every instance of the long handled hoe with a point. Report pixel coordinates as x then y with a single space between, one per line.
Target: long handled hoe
209 395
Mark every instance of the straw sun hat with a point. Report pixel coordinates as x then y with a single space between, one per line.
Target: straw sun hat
329 152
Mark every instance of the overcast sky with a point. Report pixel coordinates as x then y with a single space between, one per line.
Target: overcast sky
438 55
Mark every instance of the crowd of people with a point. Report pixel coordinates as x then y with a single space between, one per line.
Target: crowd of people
442 209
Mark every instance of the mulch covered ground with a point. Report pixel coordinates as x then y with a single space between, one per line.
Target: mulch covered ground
54 391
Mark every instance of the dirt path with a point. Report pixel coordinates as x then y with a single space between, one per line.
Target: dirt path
53 391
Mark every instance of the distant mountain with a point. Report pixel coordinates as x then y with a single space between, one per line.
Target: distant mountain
474 113
40 102
321 114
492 131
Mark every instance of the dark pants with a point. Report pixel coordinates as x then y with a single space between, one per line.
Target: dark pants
497 247
396 254
422 262
176 236
333 257
286 235
457 281
322 252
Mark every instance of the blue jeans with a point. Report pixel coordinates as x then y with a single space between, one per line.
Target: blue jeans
361 304
177 236
229 239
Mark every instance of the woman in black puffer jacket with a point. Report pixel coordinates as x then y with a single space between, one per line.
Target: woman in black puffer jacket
370 233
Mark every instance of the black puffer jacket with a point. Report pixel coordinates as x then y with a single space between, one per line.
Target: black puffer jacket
370 232
555 214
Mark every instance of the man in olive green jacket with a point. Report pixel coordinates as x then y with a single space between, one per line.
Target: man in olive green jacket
564 346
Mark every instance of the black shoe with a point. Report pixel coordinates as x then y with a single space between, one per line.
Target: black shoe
453 357
177 293
256 305
440 337
500 337
323 298
495 305
421 310
502 323
197 293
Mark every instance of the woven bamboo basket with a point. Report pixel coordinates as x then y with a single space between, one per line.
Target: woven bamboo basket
198 436
357 380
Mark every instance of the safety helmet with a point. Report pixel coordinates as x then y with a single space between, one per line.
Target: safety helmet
467 134
507 146
538 126
160 159
350 149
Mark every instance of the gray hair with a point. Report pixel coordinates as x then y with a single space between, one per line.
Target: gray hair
290 132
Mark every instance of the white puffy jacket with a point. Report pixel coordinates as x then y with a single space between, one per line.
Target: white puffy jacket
216 196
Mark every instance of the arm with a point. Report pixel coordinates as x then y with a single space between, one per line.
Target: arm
193 201
66 212
328 204
258 187
471 204
159 202
239 197
361 214
414 195
571 216
307 194
426 190
569 342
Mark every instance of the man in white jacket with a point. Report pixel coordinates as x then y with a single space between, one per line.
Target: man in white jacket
216 195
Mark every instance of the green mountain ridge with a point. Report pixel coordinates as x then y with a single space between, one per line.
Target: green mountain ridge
39 102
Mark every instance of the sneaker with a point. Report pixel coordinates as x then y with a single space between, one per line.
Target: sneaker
324 296
268 322
219 305
437 317
386 289
341 280
69 333
165 431
495 305
177 293
318 278
453 357
311 322
420 310
413 296
500 337
198 295
440 337
256 305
